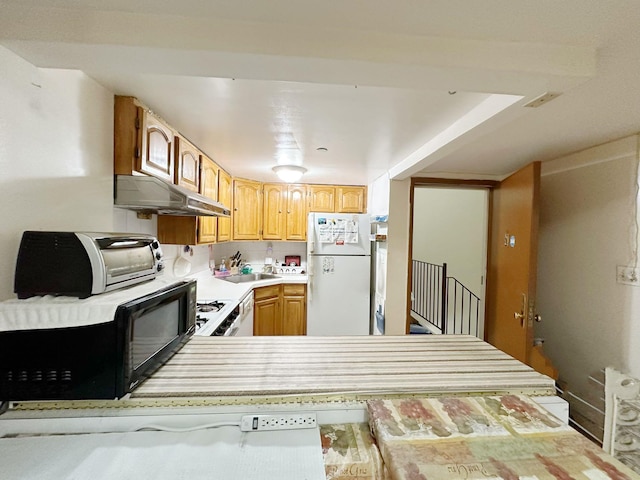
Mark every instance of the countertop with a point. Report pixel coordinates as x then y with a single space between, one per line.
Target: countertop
340 367
213 288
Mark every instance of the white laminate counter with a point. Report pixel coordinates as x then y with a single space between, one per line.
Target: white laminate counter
214 288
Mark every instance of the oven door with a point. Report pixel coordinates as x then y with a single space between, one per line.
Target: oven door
153 328
243 326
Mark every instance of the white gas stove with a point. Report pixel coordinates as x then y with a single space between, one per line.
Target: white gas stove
224 318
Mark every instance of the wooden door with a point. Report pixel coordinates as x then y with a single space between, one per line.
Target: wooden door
294 309
296 212
187 165
209 188
247 208
322 198
157 148
224 197
267 315
511 295
273 215
350 199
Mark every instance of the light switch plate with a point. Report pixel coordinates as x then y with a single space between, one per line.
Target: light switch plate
628 275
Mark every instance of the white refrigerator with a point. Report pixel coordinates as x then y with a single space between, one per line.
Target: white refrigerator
339 269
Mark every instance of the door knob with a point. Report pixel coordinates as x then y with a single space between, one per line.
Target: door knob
519 316
537 317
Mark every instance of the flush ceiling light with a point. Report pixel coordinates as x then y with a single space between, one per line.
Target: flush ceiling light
289 173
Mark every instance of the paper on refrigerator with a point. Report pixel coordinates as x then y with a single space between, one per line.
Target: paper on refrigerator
337 230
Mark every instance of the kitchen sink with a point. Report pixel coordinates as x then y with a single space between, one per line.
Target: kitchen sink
249 277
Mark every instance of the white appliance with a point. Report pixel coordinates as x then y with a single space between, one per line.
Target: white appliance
225 318
339 268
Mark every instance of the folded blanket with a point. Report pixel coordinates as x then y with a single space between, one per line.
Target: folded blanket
350 453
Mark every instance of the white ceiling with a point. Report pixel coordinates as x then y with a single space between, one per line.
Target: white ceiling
429 88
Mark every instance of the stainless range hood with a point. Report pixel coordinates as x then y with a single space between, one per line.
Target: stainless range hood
151 195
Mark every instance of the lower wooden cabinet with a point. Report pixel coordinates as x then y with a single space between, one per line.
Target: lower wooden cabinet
267 310
294 309
280 310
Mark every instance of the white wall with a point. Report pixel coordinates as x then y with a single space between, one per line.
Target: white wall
397 257
56 155
586 229
450 225
378 196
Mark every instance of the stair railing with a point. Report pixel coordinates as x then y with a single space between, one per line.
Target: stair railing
442 301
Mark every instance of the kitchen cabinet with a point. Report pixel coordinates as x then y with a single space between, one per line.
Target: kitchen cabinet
209 188
187 164
274 216
143 142
183 230
247 205
225 187
296 212
284 212
350 199
337 198
294 309
322 198
280 310
267 315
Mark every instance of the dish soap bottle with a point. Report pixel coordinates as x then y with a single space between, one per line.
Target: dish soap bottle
223 265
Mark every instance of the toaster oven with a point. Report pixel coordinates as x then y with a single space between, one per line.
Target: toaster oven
80 264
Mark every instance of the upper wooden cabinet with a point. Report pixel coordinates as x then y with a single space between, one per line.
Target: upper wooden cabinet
209 188
337 199
350 199
284 212
247 205
142 142
274 215
188 165
193 230
225 195
296 212
322 198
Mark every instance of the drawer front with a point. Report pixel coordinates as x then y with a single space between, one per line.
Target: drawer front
266 292
294 289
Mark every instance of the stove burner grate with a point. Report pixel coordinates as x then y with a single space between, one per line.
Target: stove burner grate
209 306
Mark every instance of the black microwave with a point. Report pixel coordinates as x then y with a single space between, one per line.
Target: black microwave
102 361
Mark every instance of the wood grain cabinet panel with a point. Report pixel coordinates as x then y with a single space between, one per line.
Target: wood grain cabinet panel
280 310
274 214
322 198
284 212
350 199
143 142
294 309
225 197
157 147
267 311
187 165
184 230
207 226
296 224
247 206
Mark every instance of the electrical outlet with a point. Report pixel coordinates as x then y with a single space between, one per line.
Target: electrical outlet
282 421
628 275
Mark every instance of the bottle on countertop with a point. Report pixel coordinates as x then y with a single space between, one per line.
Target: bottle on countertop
223 265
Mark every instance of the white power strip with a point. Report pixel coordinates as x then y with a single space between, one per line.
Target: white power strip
283 421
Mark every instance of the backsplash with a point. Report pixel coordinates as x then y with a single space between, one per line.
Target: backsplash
254 253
